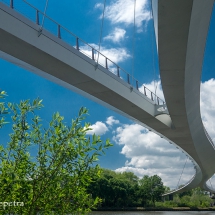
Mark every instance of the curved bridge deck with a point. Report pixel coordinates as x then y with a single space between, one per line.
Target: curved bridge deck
181 34
182 28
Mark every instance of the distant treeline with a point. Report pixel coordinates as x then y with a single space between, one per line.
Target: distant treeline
127 190
193 198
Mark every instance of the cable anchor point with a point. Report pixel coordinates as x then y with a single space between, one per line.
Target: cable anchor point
96 66
40 31
131 88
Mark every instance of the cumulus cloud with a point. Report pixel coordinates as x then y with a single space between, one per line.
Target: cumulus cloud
116 35
170 176
99 128
116 55
207 105
155 87
99 6
122 11
149 154
207 101
110 121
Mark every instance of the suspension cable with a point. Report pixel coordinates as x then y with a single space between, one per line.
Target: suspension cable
212 177
101 30
210 183
133 48
44 14
182 173
153 57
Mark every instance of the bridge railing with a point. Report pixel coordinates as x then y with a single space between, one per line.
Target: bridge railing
186 182
209 138
180 186
44 21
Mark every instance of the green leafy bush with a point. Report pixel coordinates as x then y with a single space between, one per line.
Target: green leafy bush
55 180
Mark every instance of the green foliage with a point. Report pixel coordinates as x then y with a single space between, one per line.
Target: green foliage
185 193
166 204
166 189
3 109
56 180
193 198
151 189
126 189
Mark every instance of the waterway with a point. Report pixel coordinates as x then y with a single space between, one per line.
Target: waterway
153 213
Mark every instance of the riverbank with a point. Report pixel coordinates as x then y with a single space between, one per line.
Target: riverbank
156 209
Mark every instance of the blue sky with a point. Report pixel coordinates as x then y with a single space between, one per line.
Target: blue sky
135 148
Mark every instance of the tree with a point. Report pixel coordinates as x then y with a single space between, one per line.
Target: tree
157 188
3 109
56 179
185 193
145 190
166 189
151 189
116 189
192 198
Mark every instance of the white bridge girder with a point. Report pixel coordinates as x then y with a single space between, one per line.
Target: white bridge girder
181 33
181 29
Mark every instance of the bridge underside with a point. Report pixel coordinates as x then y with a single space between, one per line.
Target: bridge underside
181 34
181 31
52 58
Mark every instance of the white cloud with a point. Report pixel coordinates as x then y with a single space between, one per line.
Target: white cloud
99 6
122 11
207 101
148 154
99 128
116 36
155 87
207 105
110 121
116 55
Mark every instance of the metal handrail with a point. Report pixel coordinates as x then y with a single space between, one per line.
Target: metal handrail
208 136
117 70
177 189
212 143
187 182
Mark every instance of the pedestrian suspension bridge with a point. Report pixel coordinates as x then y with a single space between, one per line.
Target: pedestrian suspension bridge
181 28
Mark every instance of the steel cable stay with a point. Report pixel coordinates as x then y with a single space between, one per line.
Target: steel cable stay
153 53
44 14
212 178
101 31
210 183
146 92
133 45
43 19
181 173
